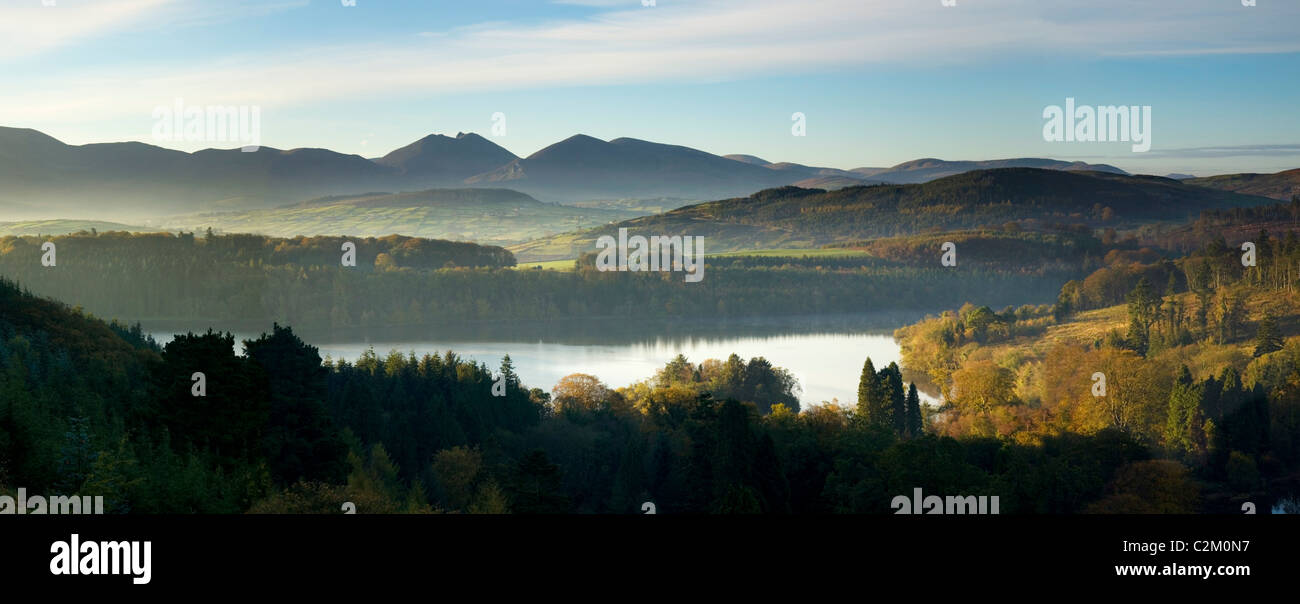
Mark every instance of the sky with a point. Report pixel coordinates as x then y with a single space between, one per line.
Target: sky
878 82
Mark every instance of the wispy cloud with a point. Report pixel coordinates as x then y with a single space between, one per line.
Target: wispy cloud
698 41
1283 150
29 28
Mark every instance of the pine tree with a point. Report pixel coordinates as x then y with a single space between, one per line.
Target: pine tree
1266 338
914 420
508 372
866 388
872 400
1185 424
1143 305
896 399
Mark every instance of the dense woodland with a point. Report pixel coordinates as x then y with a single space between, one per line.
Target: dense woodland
405 281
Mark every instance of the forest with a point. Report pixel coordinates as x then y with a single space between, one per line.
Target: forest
101 409
409 281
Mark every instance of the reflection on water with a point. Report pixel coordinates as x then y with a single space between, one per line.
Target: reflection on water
825 353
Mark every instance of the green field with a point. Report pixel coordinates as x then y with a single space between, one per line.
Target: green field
64 227
797 253
549 265
567 263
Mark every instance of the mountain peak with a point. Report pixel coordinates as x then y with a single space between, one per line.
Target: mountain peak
441 159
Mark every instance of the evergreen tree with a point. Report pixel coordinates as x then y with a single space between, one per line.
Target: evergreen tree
1266 338
76 456
914 420
1184 427
508 372
301 442
871 397
536 486
896 398
1143 305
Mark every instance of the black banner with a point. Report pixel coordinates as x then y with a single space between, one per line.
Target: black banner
653 551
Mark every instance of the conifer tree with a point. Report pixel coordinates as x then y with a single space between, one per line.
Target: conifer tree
895 407
867 387
914 422
873 402
1266 338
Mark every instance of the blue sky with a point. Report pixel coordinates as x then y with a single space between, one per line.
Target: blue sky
880 81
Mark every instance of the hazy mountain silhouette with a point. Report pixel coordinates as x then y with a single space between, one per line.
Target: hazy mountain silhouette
135 179
438 160
583 167
46 178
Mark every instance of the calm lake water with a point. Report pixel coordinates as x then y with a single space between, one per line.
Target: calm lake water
825 354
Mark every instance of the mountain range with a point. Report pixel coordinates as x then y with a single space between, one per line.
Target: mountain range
46 178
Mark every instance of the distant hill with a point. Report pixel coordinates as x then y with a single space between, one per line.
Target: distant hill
832 182
1281 185
497 216
64 227
927 169
1031 198
1179 176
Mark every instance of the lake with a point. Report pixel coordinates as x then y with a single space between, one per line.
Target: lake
824 353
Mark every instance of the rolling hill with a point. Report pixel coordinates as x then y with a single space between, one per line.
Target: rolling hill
65 227
927 169
497 216
1031 198
1281 185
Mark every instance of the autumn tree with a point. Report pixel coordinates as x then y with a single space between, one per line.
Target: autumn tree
981 385
580 392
